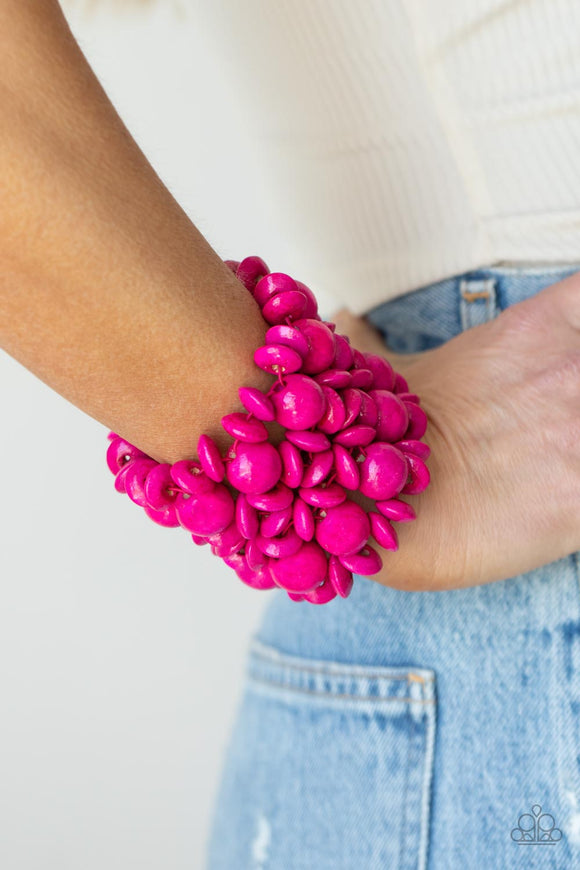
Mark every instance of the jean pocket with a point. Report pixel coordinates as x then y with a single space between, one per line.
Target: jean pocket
329 765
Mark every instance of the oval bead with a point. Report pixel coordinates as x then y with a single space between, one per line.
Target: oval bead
276 499
261 579
206 514
340 577
361 378
289 336
355 436
255 467
345 529
417 421
383 472
119 481
409 445
276 523
280 547
343 358
246 517
358 360
274 358
250 270
409 397
318 469
346 467
228 542
256 403
288 304
299 403
270 284
255 558
301 572
311 303
335 414
239 426
121 452
199 540
368 414
366 562
396 510
295 596
383 372
210 458
303 519
323 496
352 402
321 342
383 532
135 477
336 378
419 476
393 416
156 486
166 517
322 594
401 385
189 476
313 442
292 464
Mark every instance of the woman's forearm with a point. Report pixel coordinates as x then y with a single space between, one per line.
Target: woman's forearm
108 292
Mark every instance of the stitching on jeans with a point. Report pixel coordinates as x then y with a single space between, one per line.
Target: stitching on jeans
339 694
470 295
365 674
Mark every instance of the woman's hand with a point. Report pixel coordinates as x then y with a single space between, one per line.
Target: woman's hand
503 405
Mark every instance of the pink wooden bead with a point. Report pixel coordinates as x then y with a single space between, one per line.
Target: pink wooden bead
383 373
347 473
361 378
276 522
199 540
318 469
352 402
232 265
322 594
246 517
313 442
255 558
368 414
206 514
383 472
340 577
228 542
255 467
292 464
261 579
409 397
335 413
355 436
274 358
256 403
401 385
344 529
299 403
323 496
282 546
120 452
295 596
135 479
288 304
156 486
383 532
301 572
343 358
397 510
250 271
288 336
112 435
312 305
409 445
366 562
210 458
335 378
393 415
189 476
419 475
303 519
120 477
272 283
275 499
166 517
322 347
239 426
417 421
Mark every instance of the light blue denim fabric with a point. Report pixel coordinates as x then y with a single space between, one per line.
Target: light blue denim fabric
419 730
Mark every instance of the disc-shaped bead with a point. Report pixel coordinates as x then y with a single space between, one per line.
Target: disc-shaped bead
417 421
318 469
343 358
210 458
322 594
166 517
292 464
322 346
419 475
255 467
323 496
352 399
206 514
355 436
274 358
270 284
383 373
246 517
365 562
299 403
336 378
410 445
239 426
340 577
301 572
335 414
250 270
288 304
383 472
346 467
189 476
383 532
227 542
395 509
276 523
159 487
361 378
256 403
313 442
275 499
344 529
288 336
312 305
303 519
281 546
393 416
135 479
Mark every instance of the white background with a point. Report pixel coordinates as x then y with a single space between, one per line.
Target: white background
122 644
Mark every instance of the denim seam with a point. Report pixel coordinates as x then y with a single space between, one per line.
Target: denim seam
374 698
331 673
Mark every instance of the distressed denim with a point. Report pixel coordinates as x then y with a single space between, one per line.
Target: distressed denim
419 730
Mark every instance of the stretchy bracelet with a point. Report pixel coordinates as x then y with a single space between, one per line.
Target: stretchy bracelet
280 515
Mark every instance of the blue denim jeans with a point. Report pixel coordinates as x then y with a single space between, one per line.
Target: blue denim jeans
423 730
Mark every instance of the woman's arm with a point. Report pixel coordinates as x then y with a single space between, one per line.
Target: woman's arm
108 292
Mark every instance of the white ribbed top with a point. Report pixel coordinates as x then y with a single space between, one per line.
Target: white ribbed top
410 140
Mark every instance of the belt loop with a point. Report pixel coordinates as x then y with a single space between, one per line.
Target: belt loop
478 301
